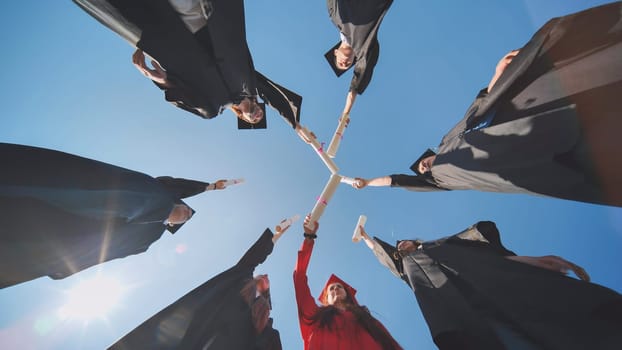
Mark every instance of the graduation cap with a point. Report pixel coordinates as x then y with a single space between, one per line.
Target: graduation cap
262 124
415 166
174 228
330 58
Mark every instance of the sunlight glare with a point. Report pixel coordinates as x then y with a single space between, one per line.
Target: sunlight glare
92 298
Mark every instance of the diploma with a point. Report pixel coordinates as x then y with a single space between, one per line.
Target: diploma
283 225
233 182
348 180
327 193
336 140
357 230
319 150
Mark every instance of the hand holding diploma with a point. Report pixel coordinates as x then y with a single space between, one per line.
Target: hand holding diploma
356 237
283 226
308 135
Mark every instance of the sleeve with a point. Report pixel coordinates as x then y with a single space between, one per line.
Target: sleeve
364 69
179 95
468 119
182 188
414 183
489 230
306 305
284 101
258 252
386 255
394 344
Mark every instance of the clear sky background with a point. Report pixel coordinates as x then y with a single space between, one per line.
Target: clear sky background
68 84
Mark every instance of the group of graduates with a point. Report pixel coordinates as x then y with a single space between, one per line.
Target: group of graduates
547 124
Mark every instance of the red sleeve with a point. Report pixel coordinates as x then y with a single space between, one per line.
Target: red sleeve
306 305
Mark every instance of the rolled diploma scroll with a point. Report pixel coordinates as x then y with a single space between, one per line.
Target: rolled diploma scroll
233 182
320 152
287 223
348 180
327 193
336 141
357 231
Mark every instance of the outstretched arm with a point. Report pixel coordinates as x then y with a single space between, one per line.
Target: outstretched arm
350 98
360 183
258 252
553 263
501 66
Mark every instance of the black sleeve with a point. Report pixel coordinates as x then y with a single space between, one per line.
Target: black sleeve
182 188
489 230
284 101
414 183
258 253
177 93
387 256
364 69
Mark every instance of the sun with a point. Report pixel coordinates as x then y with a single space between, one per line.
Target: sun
92 299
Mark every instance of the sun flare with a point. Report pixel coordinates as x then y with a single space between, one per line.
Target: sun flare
91 299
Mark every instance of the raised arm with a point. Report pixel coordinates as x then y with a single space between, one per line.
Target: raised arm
553 263
258 252
306 305
360 183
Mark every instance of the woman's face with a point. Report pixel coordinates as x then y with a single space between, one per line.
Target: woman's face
249 110
335 293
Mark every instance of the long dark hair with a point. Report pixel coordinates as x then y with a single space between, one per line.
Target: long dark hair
325 315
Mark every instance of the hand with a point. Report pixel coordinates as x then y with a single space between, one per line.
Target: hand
158 74
553 263
307 226
366 238
360 183
303 136
501 66
220 184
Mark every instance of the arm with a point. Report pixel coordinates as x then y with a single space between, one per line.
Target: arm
385 253
258 252
553 263
183 188
501 66
360 183
364 69
284 101
306 305
350 98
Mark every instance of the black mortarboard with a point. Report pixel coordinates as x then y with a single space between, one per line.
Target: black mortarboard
174 228
425 154
330 58
263 123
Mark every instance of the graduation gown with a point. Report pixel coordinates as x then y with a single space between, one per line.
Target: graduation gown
473 297
208 70
551 124
359 22
63 213
213 316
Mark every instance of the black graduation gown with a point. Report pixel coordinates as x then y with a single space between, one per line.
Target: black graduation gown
63 213
213 316
473 297
208 70
359 21
554 114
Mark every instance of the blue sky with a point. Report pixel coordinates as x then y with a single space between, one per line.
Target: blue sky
68 84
